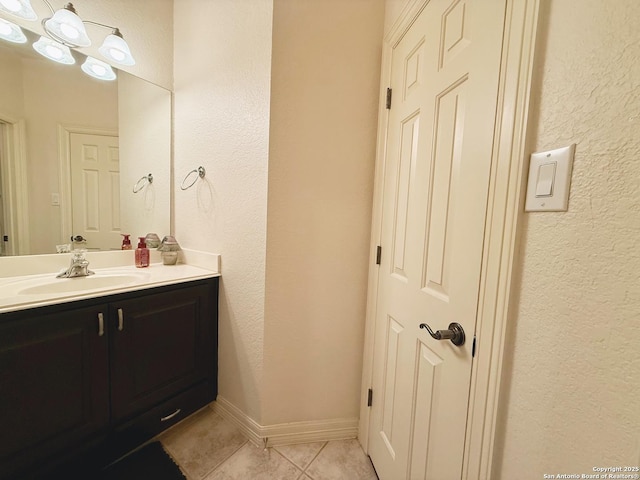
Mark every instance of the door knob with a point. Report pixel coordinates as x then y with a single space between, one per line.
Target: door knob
455 333
78 239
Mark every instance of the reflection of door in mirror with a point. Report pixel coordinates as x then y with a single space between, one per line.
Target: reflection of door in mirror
13 187
95 191
2 203
39 98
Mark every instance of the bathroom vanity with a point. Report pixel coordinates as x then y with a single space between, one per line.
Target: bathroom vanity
104 372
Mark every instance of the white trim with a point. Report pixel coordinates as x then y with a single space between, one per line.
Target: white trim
64 162
15 186
504 207
501 235
286 433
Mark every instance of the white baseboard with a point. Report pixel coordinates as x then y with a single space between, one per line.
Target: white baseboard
286 433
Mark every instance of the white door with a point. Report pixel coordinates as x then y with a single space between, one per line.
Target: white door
440 133
95 191
3 203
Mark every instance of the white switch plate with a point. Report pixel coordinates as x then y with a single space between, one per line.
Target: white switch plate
558 201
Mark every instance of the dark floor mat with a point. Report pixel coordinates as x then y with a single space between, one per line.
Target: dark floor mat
150 462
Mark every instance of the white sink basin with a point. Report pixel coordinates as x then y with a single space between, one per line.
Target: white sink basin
52 285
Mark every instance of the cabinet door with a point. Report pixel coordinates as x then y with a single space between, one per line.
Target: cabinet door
161 345
54 383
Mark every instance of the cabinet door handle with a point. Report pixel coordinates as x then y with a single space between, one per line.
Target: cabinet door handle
169 417
120 320
100 324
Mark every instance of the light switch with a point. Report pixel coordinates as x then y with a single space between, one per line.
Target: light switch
546 175
549 180
55 200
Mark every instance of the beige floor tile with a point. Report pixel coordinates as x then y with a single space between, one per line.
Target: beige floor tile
251 462
304 476
342 460
203 443
301 454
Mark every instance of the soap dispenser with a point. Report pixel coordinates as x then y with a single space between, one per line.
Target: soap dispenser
126 243
142 254
169 248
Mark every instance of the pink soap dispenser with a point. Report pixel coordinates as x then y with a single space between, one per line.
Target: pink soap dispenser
126 243
142 254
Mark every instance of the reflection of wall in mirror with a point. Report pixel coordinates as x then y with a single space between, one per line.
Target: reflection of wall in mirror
145 147
67 98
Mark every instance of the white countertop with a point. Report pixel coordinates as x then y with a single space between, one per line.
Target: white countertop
20 292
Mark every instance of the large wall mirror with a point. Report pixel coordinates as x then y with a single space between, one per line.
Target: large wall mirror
72 151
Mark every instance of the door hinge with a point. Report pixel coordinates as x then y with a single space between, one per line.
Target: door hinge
473 347
5 238
378 254
369 398
389 93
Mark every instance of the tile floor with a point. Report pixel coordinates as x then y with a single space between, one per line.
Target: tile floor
208 447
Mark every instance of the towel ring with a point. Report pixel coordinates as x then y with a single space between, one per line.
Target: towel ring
201 173
140 184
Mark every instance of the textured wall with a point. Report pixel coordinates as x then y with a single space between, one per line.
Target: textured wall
572 399
324 99
222 82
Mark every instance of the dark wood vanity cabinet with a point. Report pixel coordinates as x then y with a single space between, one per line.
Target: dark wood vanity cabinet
163 360
54 384
109 372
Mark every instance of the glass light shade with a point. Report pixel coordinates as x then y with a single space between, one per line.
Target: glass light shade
116 49
18 8
67 28
98 69
54 51
11 32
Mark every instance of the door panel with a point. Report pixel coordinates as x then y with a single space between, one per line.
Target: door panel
95 190
161 349
439 150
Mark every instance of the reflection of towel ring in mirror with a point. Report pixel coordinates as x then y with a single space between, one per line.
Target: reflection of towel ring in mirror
200 171
140 184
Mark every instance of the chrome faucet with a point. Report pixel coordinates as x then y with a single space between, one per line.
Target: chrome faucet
79 266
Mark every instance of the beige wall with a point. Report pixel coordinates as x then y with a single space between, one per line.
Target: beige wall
572 393
222 82
144 120
11 93
306 124
324 99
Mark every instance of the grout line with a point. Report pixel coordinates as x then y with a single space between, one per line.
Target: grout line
314 458
300 470
227 458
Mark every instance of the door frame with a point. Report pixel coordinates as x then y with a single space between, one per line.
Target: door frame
15 185
64 159
504 208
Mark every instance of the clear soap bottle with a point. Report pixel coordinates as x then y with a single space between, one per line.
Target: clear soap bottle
142 254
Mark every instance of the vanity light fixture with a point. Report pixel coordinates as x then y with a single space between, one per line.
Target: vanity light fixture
116 49
98 69
54 51
18 8
11 32
67 29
